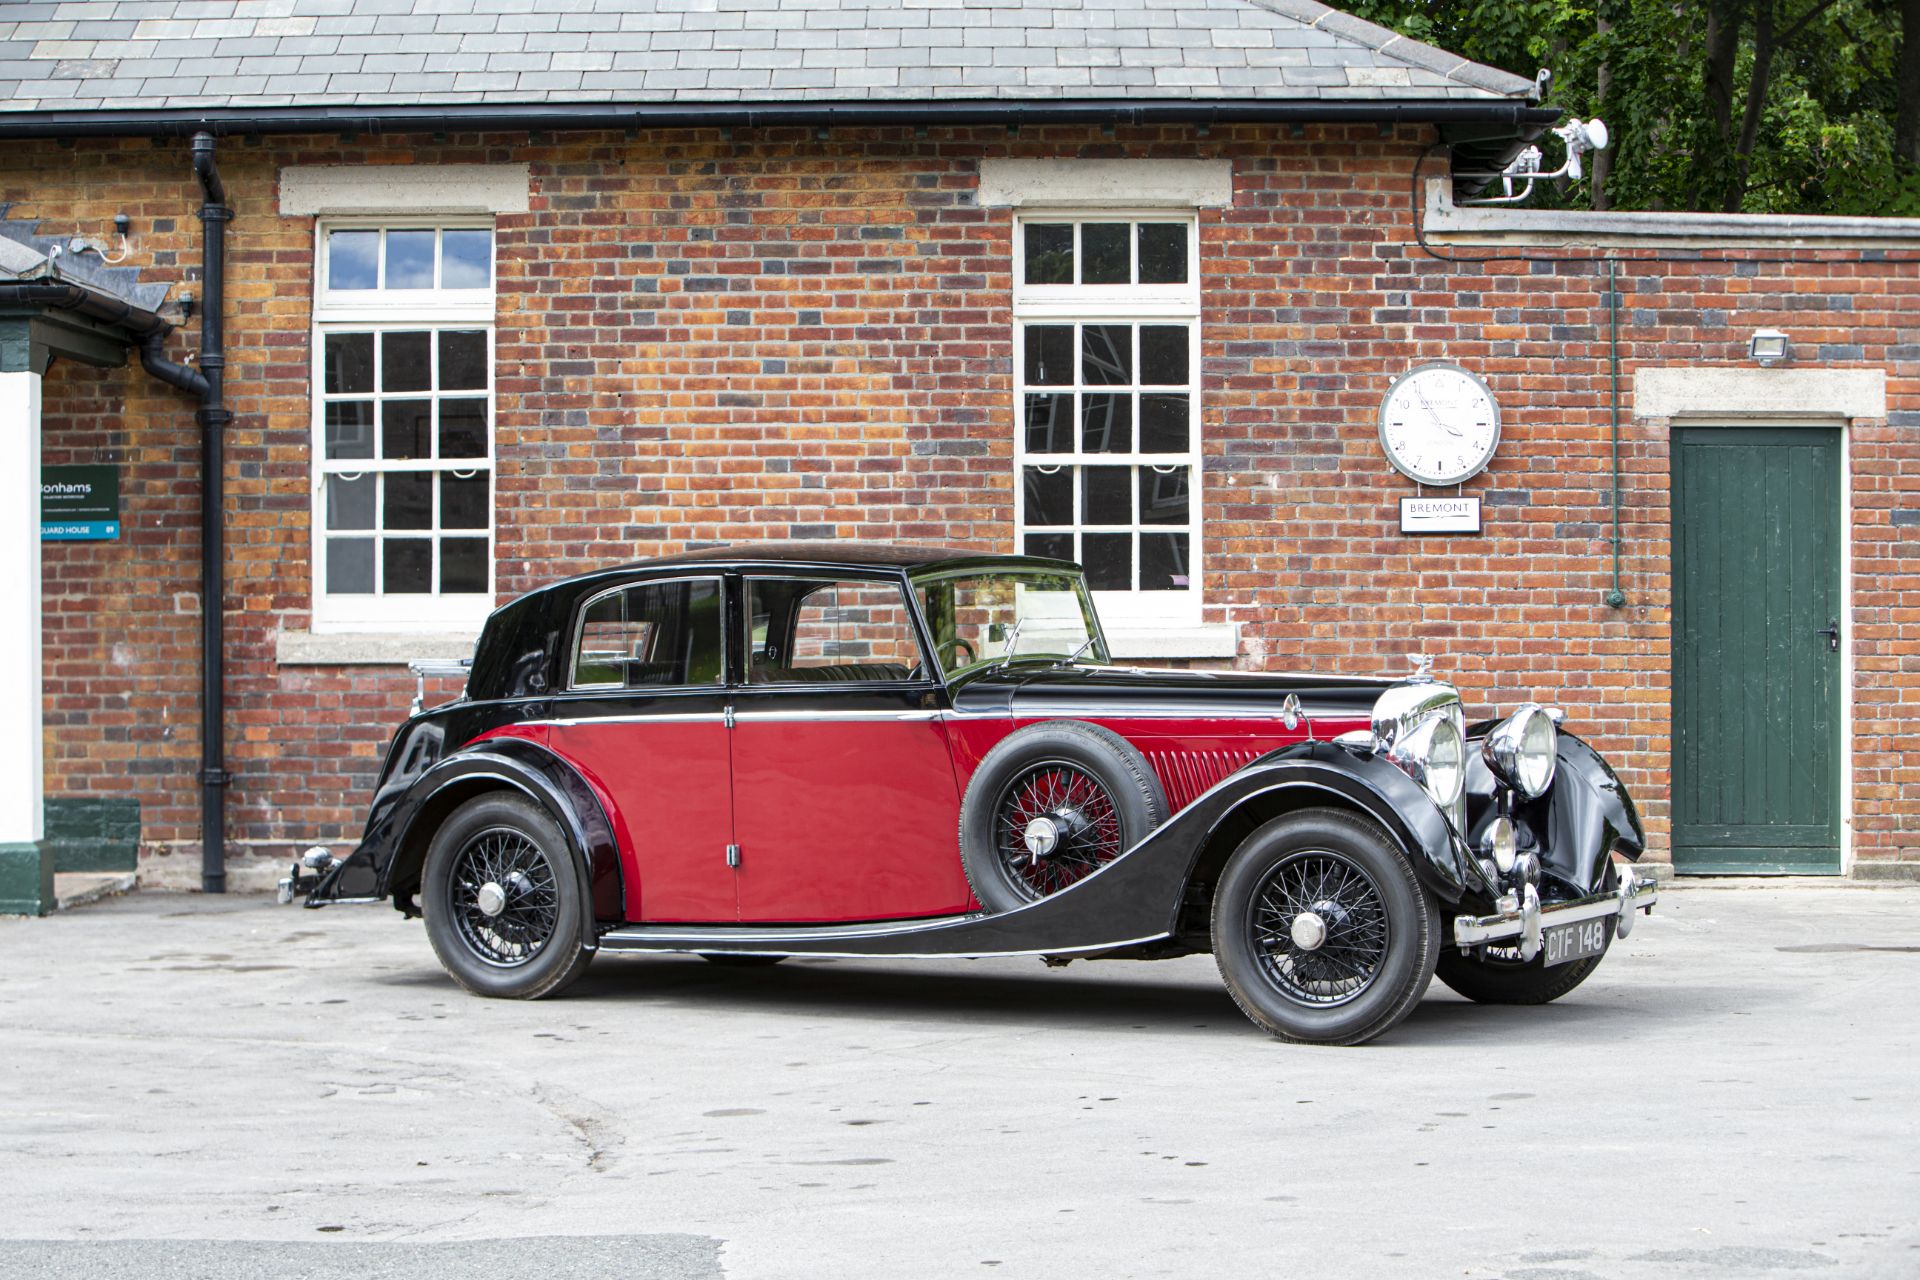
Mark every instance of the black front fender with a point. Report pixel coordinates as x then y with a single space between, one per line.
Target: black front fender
388 860
1355 779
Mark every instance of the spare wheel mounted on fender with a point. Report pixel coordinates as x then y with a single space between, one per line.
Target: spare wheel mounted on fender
1049 806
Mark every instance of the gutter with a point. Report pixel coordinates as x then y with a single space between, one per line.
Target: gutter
363 118
64 296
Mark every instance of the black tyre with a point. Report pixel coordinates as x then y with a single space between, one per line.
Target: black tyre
1321 930
1084 794
501 897
736 960
1503 978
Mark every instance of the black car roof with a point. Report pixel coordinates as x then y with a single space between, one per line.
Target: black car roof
828 553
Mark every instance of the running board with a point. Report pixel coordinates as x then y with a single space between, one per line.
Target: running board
970 936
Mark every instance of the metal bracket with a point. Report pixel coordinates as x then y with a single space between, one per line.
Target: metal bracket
733 855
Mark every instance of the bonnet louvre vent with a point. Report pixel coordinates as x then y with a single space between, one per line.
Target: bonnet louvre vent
1187 774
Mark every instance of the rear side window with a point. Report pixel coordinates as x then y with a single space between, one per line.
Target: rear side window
651 636
812 631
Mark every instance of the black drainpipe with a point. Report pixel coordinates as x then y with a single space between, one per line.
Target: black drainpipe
213 417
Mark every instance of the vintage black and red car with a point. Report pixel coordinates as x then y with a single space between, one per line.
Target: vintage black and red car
882 751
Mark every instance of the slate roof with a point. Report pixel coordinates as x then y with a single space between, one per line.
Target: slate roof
87 55
34 259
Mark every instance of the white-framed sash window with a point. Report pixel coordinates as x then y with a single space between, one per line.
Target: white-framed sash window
1107 405
403 410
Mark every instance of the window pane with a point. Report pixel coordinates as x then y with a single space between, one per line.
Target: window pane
1106 354
1055 546
1163 562
463 565
1163 497
466 259
463 360
349 429
463 428
350 502
1108 496
1104 252
665 633
1163 253
1049 253
1049 495
1163 424
829 631
1163 355
350 566
407 566
404 428
353 259
463 501
1049 355
404 361
408 501
349 363
1049 424
1107 558
1106 423
409 259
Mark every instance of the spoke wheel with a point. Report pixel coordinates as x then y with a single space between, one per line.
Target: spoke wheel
1319 926
1072 806
504 899
503 891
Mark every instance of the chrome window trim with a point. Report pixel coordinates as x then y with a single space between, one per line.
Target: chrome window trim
580 625
827 577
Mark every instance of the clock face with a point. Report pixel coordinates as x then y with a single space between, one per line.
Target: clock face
1439 424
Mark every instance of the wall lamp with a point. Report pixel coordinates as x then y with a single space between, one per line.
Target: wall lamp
1768 346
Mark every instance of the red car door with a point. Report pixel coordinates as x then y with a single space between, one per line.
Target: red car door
644 719
845 803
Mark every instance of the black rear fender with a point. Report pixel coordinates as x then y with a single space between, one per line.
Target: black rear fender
389 860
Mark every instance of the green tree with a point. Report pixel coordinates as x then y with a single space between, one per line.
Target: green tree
1802 106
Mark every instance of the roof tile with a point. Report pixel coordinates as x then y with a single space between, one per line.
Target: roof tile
86 54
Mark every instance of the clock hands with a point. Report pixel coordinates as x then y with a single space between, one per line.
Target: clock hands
1433 413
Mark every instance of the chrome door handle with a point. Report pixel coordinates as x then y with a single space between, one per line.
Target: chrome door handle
1832 632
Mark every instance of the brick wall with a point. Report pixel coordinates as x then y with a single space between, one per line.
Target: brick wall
702 338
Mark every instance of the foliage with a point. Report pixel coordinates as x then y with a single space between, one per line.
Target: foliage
1822 138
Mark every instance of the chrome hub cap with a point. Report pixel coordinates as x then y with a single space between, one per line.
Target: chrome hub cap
491 899
1308 931
1042 837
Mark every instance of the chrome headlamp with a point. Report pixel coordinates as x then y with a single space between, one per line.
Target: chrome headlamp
1523 750
1434 754
1418 725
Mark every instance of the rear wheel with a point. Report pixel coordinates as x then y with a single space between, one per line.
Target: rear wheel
502 900
1321 930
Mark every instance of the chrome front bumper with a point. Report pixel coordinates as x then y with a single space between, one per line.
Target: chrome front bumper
1521 922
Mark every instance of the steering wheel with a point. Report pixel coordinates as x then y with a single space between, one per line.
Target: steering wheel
948 663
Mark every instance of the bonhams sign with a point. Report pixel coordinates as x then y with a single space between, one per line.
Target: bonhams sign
79 504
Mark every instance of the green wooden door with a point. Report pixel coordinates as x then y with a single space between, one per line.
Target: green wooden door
1756 678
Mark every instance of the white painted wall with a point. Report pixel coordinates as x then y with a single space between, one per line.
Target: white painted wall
20 807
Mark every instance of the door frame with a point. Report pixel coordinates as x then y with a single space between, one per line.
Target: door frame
1845 746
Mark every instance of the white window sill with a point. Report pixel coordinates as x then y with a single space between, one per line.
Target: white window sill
369 648
364 648
1203 640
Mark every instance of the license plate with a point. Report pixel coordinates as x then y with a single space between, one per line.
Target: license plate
1566 943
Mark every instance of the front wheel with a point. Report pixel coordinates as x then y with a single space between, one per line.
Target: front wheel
1321 930
502 900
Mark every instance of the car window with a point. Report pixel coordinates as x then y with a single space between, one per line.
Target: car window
652 635
821 631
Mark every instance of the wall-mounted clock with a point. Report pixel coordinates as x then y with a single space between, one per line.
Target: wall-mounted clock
1439 424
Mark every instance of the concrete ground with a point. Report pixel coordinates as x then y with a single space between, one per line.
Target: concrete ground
224 1087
